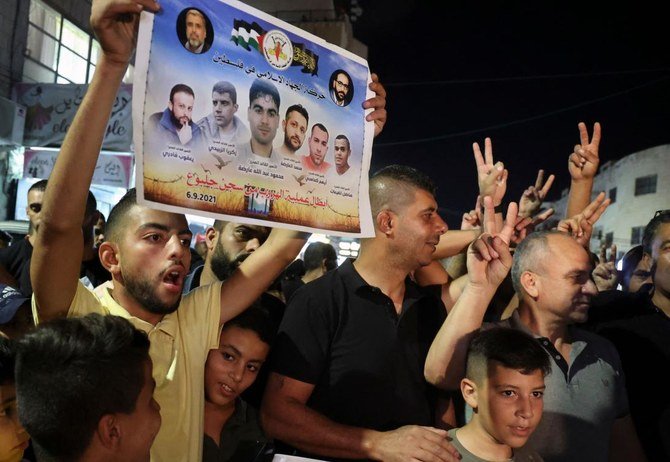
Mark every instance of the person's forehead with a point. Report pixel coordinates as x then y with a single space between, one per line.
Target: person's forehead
140 215
265 101
241 339
318 133
295 115
221 96
183 96
195 17
257 229
661 235
564 251
498 375
343 77
35 195
341 143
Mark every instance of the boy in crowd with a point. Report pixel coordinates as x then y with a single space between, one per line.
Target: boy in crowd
504 385
13 437
232 428
109 416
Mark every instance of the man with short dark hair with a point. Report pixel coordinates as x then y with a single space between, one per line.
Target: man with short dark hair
586 415
319 258
347 374
109 416
175 125
295 128
263 115
340 89
222 124
318 148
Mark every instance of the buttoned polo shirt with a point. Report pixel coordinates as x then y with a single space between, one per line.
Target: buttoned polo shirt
179 345
365 361
582 400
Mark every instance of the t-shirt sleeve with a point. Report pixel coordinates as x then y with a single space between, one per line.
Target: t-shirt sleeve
200 313
84 302
303 342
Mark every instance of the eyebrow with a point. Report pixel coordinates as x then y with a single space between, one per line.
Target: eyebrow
162 227
9 400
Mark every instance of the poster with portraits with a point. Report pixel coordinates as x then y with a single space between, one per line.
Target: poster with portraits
240 116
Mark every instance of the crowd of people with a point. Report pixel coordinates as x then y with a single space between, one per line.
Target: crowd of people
120 342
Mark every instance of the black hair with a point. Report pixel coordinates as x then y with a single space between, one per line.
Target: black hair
343 137
299 108
181 88
222 87
39 186
511 348
651 229
320 126
6 361
255 318
260 88
72 372
628 264
116 220
396 184
316 252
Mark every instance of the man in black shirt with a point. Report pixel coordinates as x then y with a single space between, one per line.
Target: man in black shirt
347 370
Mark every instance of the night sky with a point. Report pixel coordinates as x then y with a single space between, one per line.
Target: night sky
523 73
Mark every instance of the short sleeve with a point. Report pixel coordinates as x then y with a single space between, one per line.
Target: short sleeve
84 302
200 314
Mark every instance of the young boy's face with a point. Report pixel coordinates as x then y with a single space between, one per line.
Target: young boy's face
234 366
509 404
13 437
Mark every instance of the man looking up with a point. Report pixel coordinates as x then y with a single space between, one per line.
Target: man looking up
222 124
318 148
263 115
146 251
295 128
196 31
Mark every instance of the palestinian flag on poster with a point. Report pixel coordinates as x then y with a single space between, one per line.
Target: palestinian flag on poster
247 35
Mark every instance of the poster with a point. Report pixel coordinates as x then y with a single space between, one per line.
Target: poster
51 107
240 116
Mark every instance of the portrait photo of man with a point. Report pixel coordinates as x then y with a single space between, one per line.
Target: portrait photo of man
175 125
318 148
263 116
222 124
295 130
341 88
195 30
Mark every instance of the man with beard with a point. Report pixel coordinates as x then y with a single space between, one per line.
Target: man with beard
222 124
175 125
318 148
586 415
340 89
228 245
295 128
147 252
196 31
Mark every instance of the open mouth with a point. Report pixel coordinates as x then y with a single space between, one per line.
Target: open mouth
174 279
226 390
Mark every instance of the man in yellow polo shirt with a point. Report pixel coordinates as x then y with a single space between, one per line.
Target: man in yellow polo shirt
147 251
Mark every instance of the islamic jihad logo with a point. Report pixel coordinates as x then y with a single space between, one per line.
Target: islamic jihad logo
278 50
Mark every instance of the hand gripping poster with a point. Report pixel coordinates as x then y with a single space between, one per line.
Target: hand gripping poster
240 116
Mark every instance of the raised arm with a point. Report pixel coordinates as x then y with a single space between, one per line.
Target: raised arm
580 226
257 272
489 261
59 241
532 198
583 165
286 416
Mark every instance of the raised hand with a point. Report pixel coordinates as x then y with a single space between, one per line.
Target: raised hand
491 178
526 225
605 275
115 23
532 197
472 219
414 443
378 103
584 160
580 226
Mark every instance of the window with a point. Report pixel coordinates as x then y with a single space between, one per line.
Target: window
57 51
612 195
609 238
645 185
636 233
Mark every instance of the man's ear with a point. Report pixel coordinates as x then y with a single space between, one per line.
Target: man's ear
108 253
108 432
529 282
469 392
211 236
385 221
